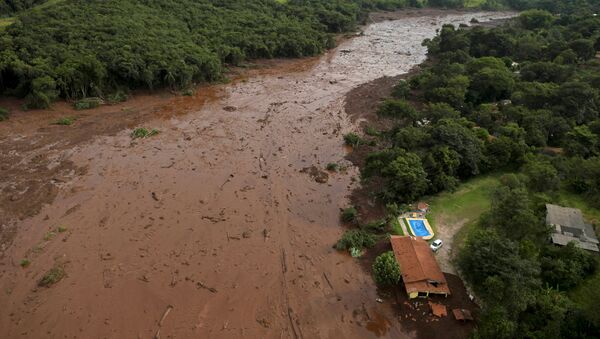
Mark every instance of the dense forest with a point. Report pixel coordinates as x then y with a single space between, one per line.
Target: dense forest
522 99
80 48
9 7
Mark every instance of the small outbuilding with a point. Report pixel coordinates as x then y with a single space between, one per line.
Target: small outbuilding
462 314
420 271
438 310
423 207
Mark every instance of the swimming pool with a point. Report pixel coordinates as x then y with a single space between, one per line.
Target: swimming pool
420 228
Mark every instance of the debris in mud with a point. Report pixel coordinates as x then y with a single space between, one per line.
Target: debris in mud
155 197
266 234
106 256
264 323
162 320
230 108
247 234
319 176
200 285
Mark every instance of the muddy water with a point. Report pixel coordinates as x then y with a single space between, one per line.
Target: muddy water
218 218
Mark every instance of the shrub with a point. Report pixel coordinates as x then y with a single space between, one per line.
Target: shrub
3 114
65 121
25 262
118 96
332 166
352 139
53 276
142 132
356 239
372 131
386 270
43 93
376 226
401 90
349 214
88 103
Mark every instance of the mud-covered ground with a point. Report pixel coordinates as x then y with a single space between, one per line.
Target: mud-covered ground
220 226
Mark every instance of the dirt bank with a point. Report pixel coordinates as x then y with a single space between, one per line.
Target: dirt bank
213 219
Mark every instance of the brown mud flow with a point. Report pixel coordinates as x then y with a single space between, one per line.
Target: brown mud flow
210 229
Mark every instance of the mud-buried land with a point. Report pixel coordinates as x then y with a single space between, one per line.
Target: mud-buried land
211 229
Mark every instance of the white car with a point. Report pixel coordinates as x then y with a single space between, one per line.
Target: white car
436 244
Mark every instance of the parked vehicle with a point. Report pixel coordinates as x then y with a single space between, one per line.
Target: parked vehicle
436 244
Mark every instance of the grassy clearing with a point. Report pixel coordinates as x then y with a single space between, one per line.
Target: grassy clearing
465 205
468 202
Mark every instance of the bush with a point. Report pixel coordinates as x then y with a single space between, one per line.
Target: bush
65 121
372 131
349 214
398 109
43 93
401 90
53 276
3 114
352 139
142 132
118 96
88 103
356 239
386 270
376 226
332 166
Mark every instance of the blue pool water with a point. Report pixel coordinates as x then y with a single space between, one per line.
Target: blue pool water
418 227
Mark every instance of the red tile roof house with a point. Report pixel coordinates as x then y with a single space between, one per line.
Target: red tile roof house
421 273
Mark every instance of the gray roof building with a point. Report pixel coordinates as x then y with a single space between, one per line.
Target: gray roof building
568 225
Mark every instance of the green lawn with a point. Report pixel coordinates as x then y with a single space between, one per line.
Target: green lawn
465 205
